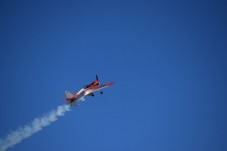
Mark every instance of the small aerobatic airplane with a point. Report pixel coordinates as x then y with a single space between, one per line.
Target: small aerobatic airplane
87 90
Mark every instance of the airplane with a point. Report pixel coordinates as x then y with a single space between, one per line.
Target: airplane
88 90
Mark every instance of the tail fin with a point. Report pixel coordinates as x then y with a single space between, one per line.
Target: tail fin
68 94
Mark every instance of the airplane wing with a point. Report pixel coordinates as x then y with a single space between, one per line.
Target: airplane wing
99 87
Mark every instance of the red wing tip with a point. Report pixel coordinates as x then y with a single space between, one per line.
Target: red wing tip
111 83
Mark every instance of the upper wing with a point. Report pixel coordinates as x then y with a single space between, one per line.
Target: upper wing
99 87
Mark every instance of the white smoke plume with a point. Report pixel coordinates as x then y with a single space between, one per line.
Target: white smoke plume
36 125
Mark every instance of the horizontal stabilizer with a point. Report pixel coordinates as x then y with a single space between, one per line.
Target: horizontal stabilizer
75 104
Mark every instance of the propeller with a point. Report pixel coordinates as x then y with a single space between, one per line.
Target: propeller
97 77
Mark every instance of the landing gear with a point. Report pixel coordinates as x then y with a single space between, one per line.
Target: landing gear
92 95
101 92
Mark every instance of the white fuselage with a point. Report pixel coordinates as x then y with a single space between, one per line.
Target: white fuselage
81 90
87 92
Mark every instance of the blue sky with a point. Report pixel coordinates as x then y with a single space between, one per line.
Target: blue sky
167 58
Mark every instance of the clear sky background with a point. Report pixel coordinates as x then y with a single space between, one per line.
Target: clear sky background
167 59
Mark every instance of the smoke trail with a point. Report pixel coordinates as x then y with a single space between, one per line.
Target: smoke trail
36 125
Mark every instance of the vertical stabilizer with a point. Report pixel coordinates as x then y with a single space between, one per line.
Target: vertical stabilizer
68 94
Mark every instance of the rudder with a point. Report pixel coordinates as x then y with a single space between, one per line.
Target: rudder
68 94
